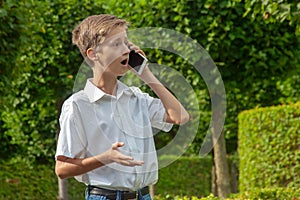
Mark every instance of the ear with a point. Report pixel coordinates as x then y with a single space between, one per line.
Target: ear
91 54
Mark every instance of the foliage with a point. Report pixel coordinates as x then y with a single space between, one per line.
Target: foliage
40 182
169 197
254 194
269 147
258 61
290 87
44 61
186 176
273 11
255 57
22 181
269 193
76 190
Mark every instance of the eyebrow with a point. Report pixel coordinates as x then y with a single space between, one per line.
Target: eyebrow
117 39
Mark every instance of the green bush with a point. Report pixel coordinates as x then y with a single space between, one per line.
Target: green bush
20 180
269 193
269 147
190 176
254 194
185 179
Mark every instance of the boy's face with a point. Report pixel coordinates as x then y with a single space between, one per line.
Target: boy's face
113 53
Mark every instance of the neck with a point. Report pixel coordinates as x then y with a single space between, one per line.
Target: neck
106 83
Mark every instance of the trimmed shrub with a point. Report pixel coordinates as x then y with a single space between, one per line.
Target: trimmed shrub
269 146
184 179
269 193
19 180
190 176
255 194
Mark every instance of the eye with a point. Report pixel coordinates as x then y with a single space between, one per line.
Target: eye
126 42
116 44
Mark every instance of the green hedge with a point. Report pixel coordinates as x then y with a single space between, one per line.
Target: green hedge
185 179
255 194
189 176
20 180
269 193
269 145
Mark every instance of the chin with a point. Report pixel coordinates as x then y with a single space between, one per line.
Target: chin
123 74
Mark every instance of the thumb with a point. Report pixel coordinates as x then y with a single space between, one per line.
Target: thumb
117 145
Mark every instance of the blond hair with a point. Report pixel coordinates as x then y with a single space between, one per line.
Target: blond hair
92 31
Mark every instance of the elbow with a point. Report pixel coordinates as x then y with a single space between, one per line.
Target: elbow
184 118
59 173
180 120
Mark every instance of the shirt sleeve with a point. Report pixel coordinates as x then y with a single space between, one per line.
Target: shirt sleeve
157 113
71 140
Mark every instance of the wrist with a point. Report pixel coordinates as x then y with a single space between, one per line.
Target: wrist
148 77
103 159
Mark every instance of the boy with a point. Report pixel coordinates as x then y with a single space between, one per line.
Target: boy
106 129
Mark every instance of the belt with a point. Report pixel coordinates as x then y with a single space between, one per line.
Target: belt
112 194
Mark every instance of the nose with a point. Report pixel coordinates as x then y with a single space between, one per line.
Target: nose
125 49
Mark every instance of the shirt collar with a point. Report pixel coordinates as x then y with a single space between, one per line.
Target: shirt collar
94 93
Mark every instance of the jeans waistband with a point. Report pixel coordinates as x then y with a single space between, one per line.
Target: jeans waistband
112 194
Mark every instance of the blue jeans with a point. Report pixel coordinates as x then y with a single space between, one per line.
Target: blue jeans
99 197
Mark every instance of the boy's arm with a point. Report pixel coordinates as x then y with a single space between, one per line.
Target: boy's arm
175 112
68 167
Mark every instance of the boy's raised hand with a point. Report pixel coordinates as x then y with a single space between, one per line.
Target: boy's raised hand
132 46
146 72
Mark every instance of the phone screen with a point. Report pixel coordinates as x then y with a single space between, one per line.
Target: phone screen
135 60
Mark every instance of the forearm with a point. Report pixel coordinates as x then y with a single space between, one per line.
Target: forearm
69 167
175 112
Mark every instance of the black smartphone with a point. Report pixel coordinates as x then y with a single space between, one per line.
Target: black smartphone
137 61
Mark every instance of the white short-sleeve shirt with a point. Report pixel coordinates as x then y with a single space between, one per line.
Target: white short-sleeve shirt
91 121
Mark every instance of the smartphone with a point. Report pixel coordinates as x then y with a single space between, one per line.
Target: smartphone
137 61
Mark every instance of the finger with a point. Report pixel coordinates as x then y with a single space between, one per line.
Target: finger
132 163
125 158
117 145
141 52
136 163
139 163
131 46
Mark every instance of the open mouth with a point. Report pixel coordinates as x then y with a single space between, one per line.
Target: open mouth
124 62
